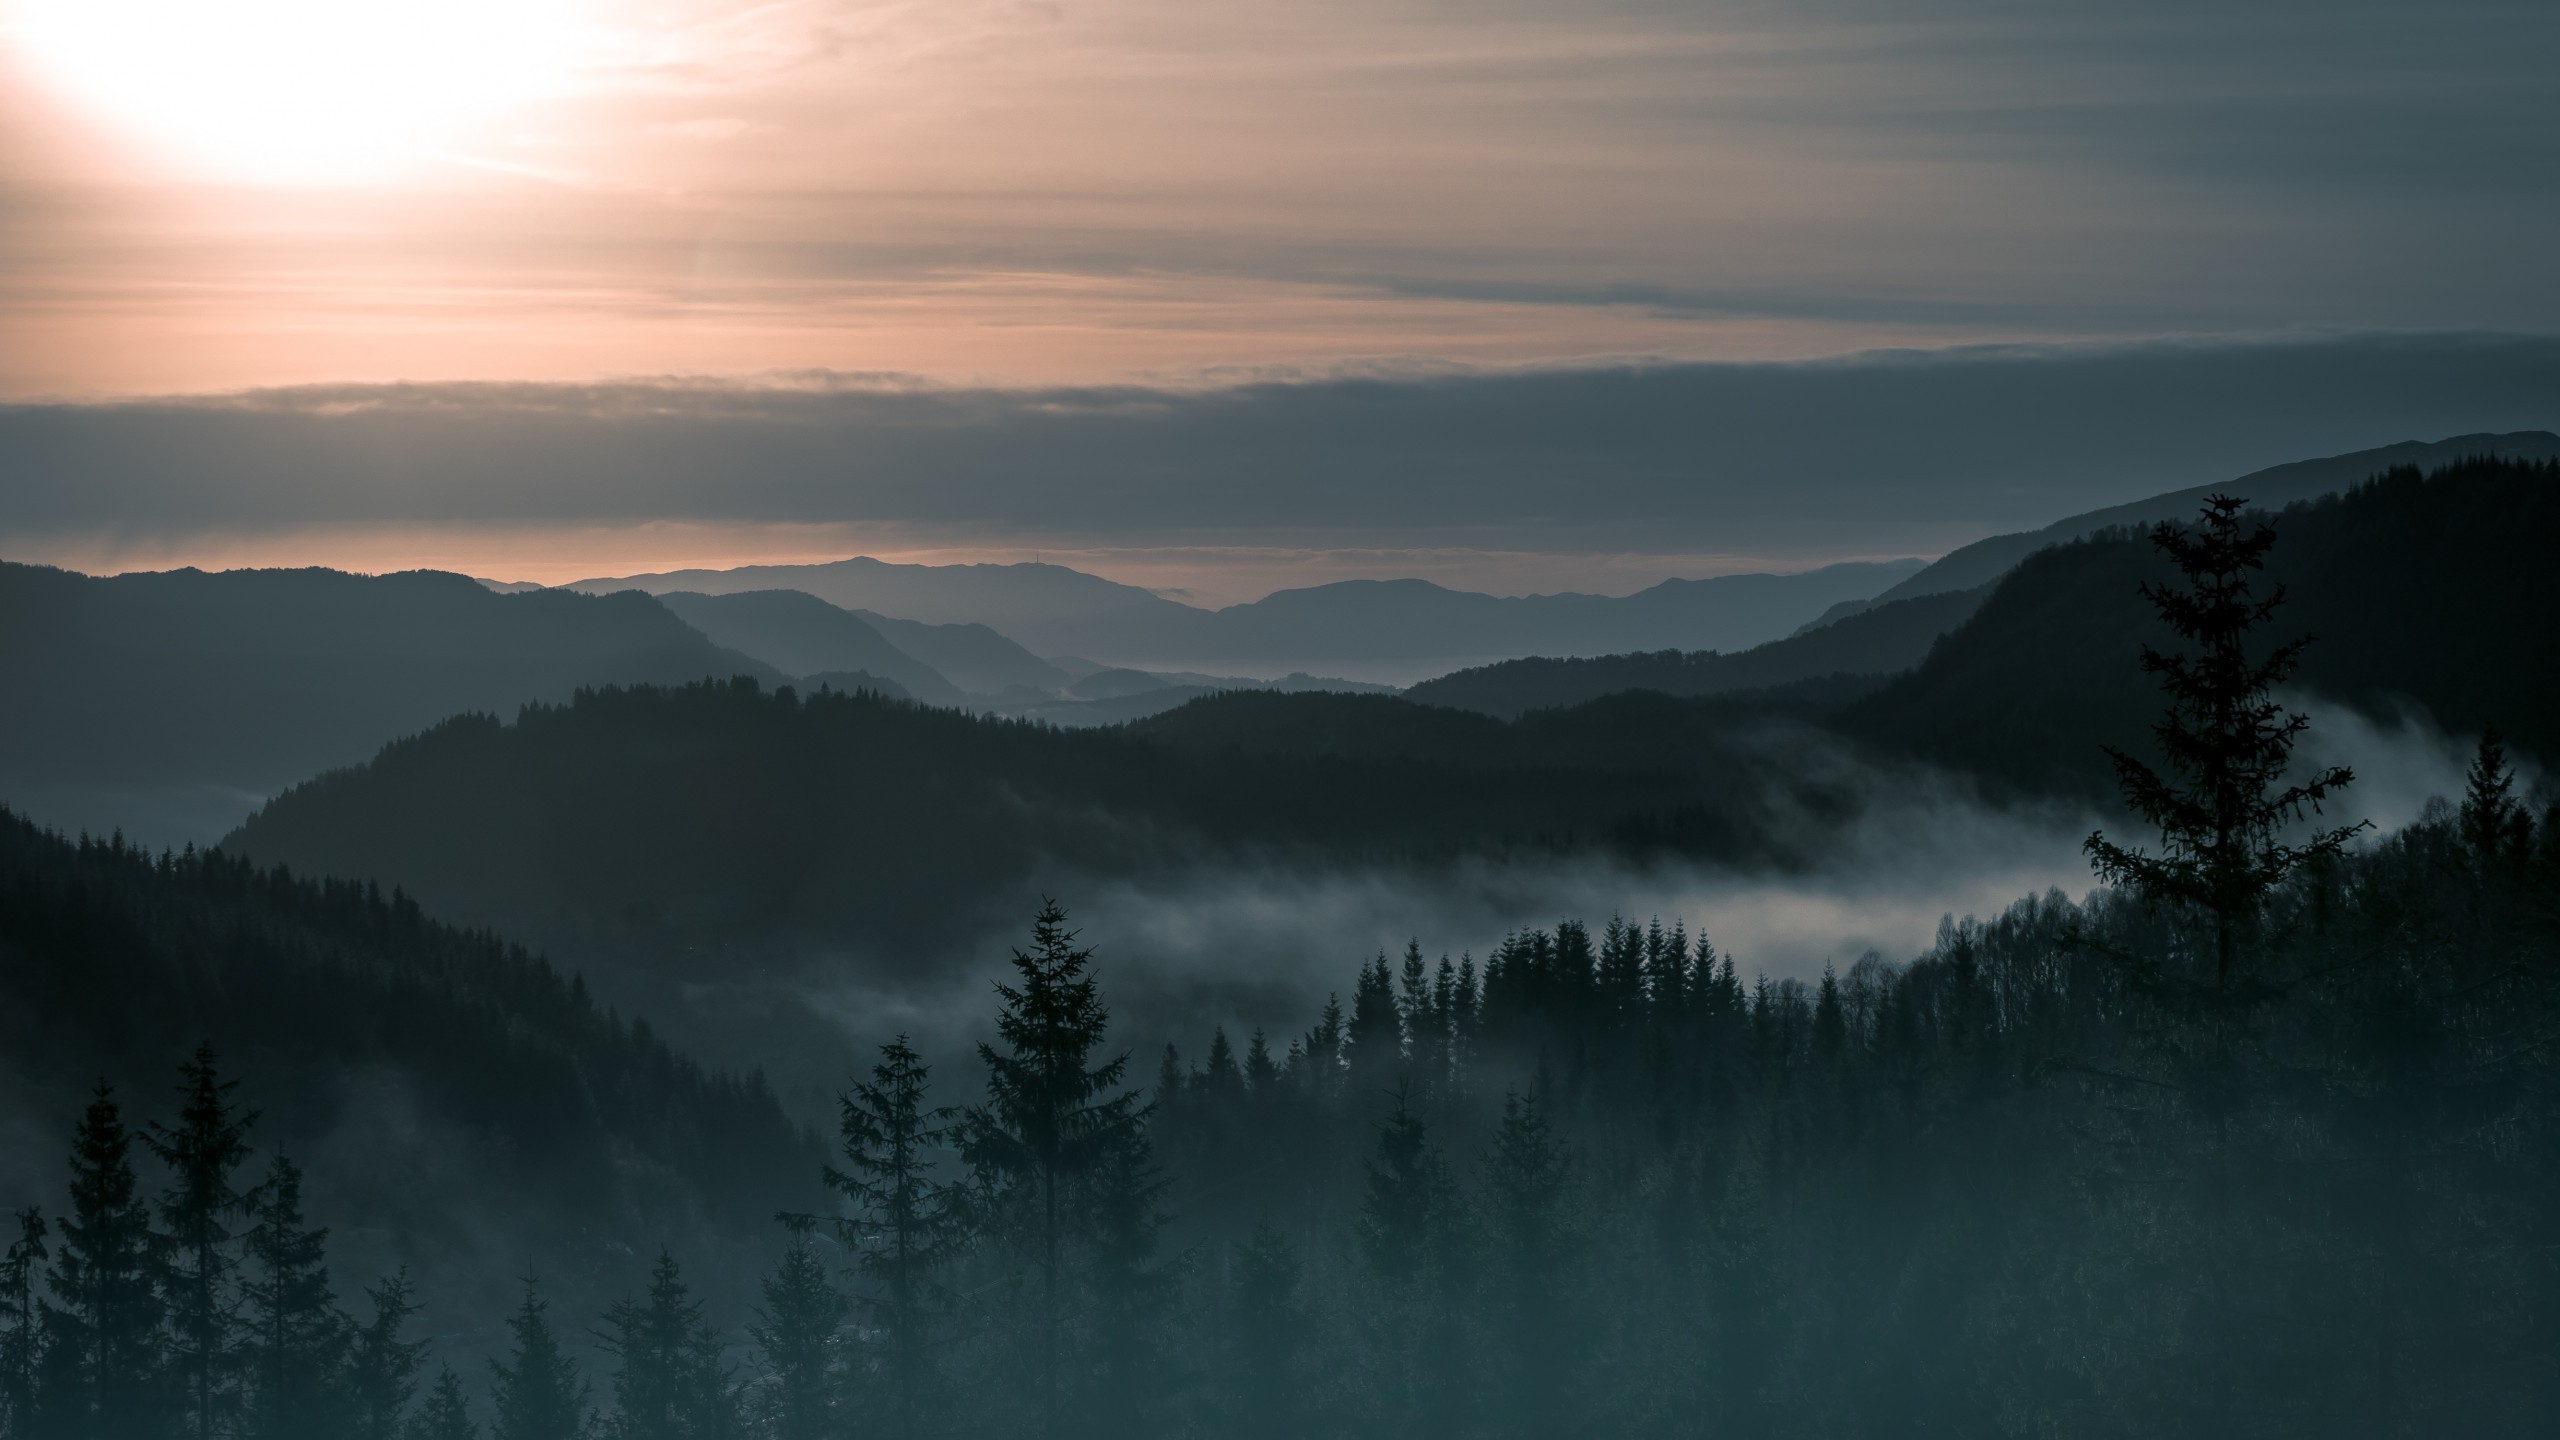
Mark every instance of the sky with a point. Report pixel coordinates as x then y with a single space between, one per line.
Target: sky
980 209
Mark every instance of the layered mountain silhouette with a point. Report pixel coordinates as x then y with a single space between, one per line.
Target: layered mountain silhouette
722 810
169 702
1371 627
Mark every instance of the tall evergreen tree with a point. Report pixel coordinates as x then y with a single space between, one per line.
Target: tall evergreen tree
799 1338
668 1379
1050 1121
382 1363
197 1209
446 1412
1129 1289
2224 805
2495 828
1530 1247
906 1222
1266 1340
103 1370
1376 1038
295 1341
21 1323
536 1392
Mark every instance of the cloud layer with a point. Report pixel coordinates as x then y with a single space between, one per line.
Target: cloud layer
1772 464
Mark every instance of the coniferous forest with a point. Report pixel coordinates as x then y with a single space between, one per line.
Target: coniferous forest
2263 1138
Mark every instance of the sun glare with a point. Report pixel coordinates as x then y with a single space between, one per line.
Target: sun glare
298 90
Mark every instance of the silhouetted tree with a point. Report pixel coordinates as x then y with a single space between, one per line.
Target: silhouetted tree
1049 1123
102 1374
1266 1339
906 1222
536 1392
1530 1248
799 1337
295 1337
21 1323
208 1143
446 1413
382 1364
2494 827
2223 807
668 1381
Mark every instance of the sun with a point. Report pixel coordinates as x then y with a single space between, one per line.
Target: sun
298 90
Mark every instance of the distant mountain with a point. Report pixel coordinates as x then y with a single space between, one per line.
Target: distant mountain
2273 488
160 701
457 1103
799 634
2435 590
1888 638
1380 627
971 656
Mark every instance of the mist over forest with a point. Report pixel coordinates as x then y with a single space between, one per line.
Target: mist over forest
2101 988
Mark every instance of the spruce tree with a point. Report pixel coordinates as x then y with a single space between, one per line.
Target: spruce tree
799 1338
21 1324
1376 1038
1406 1204
382 1364
1266 1340
2494 826
1050 1122
103 1367
1530 1247
668 1380
906 1222
295 1341
197 1209
446 1413
536 1392
1129 1290
2223 806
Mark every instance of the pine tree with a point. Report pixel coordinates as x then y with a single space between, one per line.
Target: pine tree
21 1322
906 1224
1405 1207
799 1337
208 1143
1221 1080
536 1393
1129 1290
2494 827
1530 1246
1266 1340
295 1341
446 1415
1376 1039
2222 808
668 1382
1261 1073
1050 1122
104 1340
382 1366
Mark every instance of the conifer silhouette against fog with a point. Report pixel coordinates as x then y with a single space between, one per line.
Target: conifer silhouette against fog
2223 806
1051 1126
907 1221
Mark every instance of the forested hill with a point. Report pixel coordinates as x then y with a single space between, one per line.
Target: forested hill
440 1085
1881 641
248 680
2434 590
720 811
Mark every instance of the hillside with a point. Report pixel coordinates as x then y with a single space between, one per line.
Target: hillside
1884 640
2275 487
800 634
2433 590
442 1087
168 703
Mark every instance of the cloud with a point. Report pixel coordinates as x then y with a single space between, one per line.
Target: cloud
1884 453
